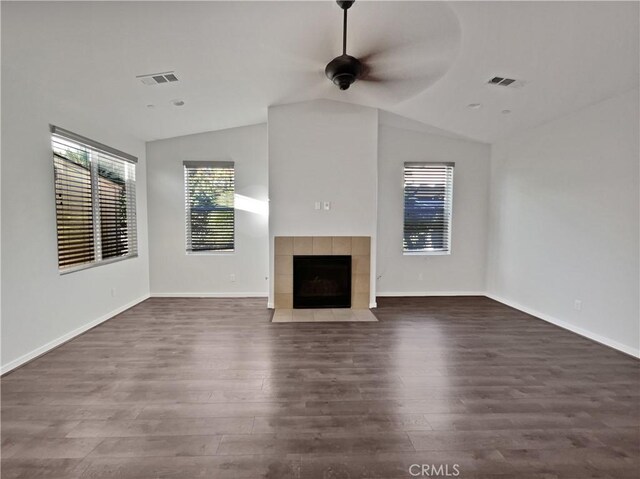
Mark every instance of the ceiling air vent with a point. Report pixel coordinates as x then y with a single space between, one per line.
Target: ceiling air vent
510 82
158 78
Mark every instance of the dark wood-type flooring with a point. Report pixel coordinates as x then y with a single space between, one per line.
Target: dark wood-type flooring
210 388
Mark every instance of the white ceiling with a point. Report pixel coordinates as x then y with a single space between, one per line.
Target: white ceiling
234 59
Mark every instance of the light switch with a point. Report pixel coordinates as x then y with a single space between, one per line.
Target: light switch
317 206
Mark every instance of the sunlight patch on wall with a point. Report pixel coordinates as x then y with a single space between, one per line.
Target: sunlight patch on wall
251 205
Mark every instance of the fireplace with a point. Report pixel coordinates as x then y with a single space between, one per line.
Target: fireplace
322 281
286 247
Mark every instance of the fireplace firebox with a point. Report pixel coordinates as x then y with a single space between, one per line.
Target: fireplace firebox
322 281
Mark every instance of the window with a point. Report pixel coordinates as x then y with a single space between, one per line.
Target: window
210 213
428 192
95 190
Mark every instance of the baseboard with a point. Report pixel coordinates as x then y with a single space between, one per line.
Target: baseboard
430 293
209 295
569 327
11 365
373 305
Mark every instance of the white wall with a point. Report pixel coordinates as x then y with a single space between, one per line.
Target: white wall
323 151
461 272
40 307
564 223
173 271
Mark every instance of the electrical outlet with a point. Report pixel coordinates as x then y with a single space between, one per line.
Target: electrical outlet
232 278
577 305
326 205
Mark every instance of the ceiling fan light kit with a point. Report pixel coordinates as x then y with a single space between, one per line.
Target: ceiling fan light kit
345 69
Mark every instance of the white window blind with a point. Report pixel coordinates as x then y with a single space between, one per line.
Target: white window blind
95 202
209 199
428 194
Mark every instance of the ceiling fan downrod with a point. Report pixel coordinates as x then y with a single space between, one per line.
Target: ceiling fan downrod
344 30
345 69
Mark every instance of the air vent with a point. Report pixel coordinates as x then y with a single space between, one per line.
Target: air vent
502 81
158 78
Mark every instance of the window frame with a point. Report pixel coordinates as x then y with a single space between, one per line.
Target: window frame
94 149
194 164
448 198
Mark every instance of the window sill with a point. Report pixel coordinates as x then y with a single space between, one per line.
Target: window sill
210 253
82 267
426 253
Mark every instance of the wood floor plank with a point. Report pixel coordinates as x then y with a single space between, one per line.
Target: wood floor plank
314 443
163 427
23 447
203 467
211 388
340 424
42 468
160 446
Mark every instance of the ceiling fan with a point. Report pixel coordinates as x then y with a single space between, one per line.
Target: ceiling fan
392 65
344 69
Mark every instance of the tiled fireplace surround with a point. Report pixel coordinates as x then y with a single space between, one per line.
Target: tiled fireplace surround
286 247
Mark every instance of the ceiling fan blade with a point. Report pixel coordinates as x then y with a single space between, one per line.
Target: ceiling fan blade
407 54
402 84
419 31
373 79
309 86
428 72
390 92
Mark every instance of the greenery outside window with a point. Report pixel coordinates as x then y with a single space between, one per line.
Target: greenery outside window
209 202
428 201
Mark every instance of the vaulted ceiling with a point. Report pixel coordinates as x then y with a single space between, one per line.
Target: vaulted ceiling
234 59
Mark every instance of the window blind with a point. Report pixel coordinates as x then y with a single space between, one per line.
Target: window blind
209 200
74 205
95 203
428 194
117 199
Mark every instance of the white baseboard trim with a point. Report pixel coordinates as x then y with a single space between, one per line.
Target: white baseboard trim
209 295
11 365
430 293
373 305
569 327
